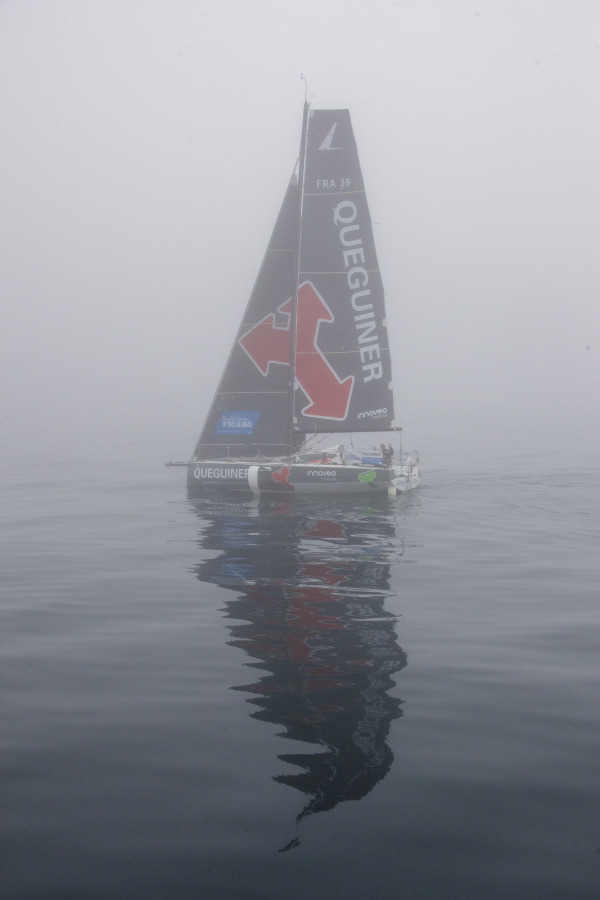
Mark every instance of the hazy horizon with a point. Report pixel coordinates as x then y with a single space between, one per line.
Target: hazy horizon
146 149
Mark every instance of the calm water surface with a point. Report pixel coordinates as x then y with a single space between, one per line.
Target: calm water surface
360 699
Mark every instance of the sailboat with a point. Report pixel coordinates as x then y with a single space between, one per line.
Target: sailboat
311 357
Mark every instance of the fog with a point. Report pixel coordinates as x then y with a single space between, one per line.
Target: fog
145 150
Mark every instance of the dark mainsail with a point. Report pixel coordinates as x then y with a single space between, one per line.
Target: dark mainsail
343 371
311 354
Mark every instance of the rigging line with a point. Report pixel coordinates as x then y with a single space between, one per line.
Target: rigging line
335 194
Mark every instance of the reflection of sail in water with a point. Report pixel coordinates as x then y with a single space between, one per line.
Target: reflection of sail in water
311 587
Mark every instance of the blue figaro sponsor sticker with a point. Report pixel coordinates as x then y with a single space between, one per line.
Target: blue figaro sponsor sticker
237 421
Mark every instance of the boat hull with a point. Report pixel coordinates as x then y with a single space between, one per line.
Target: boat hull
281 477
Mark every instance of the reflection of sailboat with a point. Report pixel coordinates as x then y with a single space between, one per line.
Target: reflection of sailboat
310 612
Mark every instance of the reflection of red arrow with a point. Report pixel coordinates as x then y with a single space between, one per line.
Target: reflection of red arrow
324 573
325 528
329 397
267 342
304 609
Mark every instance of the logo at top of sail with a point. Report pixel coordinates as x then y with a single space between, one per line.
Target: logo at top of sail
326 143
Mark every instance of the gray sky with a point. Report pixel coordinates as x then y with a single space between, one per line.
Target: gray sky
145 150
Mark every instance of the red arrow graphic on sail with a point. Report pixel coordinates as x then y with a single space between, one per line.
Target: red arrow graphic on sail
329 396
267 343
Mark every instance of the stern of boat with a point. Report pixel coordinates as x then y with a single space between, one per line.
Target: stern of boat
406 474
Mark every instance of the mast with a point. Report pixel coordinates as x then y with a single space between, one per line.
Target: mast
301 168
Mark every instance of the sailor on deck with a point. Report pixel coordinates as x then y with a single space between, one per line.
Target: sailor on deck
340 457
387 453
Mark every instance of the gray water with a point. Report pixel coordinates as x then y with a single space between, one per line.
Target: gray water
361 699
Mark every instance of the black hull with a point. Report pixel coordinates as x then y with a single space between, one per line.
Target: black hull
279 477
